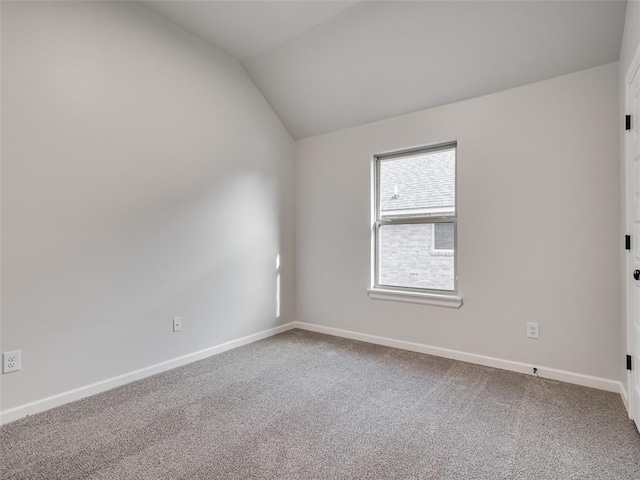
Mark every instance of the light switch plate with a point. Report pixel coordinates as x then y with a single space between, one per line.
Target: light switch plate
177 324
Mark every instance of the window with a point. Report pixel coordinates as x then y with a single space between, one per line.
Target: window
414 226
443 239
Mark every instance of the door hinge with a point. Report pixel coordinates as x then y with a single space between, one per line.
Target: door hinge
629 366
627 122
627 242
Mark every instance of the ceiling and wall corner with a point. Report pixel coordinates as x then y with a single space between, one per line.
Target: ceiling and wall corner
325 66
247 28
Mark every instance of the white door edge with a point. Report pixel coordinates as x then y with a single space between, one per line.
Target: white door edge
633 68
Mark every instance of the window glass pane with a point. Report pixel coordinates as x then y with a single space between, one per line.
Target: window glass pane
407 257
418 184
443 236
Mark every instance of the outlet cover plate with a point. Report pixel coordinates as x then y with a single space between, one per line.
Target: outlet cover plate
11 361
533 330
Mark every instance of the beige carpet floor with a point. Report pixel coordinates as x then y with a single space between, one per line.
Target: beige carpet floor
308 406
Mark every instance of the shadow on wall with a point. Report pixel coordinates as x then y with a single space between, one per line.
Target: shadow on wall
208 259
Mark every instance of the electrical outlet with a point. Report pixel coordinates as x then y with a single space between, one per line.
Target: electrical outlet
533 330
177 324
11 361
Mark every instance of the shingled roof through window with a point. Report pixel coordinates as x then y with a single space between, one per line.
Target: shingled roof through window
419 182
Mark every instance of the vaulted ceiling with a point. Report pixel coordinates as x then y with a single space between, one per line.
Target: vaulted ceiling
328 65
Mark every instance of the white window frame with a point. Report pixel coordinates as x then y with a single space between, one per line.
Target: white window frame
445 298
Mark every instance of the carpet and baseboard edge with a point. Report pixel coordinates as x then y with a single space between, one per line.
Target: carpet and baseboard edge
544 372
16 413
44 404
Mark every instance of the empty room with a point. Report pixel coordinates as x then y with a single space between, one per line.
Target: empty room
310 240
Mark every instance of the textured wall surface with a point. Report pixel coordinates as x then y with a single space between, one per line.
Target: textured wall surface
144 177
538 222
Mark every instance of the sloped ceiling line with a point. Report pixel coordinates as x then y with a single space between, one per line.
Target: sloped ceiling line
324 66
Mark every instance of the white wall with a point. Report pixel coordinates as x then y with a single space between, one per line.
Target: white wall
538 225
143 177
630 43
631 35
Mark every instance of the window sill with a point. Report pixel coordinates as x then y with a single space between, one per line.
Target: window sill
440 300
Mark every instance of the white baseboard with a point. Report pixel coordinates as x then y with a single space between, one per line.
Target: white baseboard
21 411
625 398
544 372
